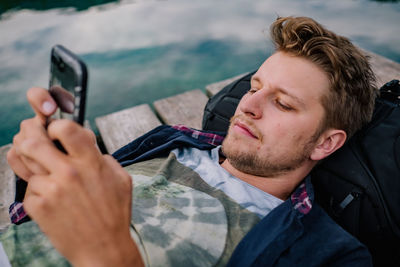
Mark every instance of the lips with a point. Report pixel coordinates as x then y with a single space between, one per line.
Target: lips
244 129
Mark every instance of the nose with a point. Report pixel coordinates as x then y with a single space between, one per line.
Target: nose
252 104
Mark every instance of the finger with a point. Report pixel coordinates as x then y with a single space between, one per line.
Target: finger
91 135
43 153
34 204
42 103
125 179
31 128
75 139
17 165
21 165
40 185
115 166
32 197
33 166
29 203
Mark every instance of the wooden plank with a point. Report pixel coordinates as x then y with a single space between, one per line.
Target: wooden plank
186 108
7 187
214 88
384 68
119 128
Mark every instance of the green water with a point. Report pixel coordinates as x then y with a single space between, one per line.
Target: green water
141 51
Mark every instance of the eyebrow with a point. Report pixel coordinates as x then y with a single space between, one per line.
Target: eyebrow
281 90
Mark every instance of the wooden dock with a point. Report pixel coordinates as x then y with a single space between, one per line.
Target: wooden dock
119 128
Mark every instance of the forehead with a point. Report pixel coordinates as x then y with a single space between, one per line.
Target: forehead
296 76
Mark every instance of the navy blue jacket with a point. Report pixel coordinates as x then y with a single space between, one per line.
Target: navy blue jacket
293 234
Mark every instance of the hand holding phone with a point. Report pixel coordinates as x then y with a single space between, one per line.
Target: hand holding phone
67 86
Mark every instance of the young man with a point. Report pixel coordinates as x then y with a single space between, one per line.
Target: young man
249 200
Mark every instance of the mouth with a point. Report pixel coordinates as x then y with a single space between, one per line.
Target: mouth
244 129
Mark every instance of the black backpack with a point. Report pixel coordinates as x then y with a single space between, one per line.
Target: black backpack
221 107
359 185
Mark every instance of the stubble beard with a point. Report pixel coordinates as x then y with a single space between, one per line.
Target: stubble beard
266 164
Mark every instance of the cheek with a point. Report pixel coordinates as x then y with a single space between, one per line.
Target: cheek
301 131
284 134
274 128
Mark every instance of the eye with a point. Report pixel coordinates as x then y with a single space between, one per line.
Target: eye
252 90
283 106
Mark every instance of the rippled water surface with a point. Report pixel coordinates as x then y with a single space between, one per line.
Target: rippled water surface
141 51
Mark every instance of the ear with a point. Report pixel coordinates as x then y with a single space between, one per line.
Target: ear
330 141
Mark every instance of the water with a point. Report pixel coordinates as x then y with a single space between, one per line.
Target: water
141 51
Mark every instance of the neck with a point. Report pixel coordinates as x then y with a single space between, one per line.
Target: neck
280 186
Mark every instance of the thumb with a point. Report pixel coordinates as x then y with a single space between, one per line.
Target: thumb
42 103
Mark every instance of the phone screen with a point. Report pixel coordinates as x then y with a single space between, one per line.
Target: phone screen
67 85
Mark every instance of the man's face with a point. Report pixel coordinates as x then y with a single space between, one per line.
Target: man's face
277 123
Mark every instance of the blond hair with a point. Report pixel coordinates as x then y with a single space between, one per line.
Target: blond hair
350 103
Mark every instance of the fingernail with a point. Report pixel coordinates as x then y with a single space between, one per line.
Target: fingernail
48 107
71 107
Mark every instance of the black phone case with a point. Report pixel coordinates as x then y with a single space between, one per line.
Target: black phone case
63 62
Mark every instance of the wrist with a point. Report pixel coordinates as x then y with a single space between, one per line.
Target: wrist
121 252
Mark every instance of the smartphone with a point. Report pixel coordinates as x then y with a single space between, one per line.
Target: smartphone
68 84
